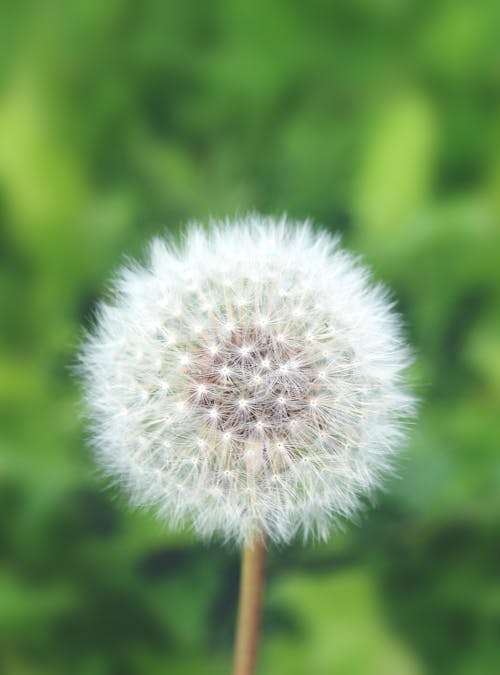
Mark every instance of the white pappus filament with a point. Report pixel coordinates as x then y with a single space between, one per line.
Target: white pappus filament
249 381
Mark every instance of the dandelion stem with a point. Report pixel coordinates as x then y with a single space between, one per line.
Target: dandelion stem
249 609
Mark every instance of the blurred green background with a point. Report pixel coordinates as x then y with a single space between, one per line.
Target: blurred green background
380 119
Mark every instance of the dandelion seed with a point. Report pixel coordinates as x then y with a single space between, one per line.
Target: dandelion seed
279 364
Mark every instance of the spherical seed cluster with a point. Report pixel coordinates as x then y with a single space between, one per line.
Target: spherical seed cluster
249 382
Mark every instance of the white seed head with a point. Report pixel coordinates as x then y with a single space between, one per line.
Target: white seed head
248 382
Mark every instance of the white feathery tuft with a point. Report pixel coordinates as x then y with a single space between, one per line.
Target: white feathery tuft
248 382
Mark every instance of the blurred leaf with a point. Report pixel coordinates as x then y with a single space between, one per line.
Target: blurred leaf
396 169
340 628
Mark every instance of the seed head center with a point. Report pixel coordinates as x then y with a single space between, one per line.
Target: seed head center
254 385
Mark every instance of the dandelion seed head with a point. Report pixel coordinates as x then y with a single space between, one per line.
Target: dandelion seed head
250 381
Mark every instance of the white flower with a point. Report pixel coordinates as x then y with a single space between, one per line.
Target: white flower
248 382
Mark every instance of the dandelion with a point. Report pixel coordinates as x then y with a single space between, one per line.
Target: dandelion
249 383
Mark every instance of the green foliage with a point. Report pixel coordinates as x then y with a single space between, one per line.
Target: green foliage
377 118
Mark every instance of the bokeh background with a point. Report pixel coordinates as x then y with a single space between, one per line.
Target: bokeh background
380 119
